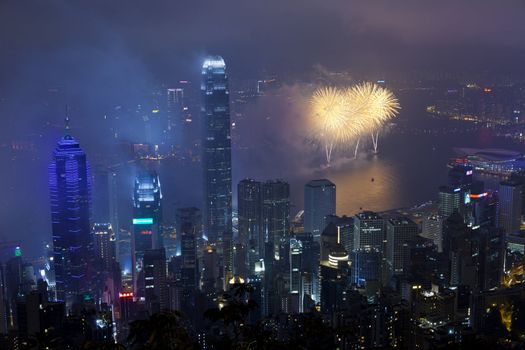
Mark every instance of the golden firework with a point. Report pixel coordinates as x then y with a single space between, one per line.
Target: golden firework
340 117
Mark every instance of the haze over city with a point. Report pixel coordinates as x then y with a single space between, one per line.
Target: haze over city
218 141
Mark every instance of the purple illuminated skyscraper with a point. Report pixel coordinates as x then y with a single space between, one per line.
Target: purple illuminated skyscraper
70 194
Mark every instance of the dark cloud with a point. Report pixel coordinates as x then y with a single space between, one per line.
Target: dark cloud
168 36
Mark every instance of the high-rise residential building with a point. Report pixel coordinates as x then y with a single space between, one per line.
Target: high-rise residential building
510 201
249 202
319 202
400 232
369 231
70 194
275 213
216 144
104 246
449 200
147 217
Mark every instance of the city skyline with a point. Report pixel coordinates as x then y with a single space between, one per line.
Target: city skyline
262 175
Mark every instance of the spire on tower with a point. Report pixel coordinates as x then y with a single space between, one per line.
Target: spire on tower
67 119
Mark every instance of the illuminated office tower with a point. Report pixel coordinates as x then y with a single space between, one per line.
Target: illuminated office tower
276 214
104 246
187 220
484 206
296 276
216 144
250 219
296 250
461 176
449 200
329 241
147 217
155 276
400 233
334 279
319 202
366 266
113 208
188 231
310 259
369 231
510 202
70 194
433 230
175 107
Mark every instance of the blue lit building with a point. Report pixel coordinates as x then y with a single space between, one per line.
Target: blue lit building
70 194
147 218
216 143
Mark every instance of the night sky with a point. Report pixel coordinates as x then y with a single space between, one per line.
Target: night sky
101 53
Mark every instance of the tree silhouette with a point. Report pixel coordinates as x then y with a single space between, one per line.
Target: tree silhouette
162 331
231 330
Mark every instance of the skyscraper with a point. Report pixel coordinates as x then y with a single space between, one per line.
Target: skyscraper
449 200
147 217
104 243
296 250
276 213
70 194
510 201
400 232
155 272
216 143
433 229
250 219
319 202
369 231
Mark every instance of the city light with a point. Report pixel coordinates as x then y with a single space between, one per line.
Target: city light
143 221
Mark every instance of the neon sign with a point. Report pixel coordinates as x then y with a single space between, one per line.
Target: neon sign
143 221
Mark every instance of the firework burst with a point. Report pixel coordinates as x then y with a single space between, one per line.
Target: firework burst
341 117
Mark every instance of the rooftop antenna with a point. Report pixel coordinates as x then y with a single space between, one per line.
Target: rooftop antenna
67 119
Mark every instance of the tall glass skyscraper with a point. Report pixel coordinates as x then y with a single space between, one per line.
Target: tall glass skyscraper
216 143
275 214
319 202
147 217
510 201
249 202
70 194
